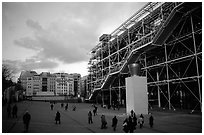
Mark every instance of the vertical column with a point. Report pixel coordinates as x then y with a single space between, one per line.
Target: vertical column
110 95
158 91
196 58
167 74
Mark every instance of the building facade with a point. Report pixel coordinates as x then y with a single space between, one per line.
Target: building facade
49 84
45 76
23 78
84 87
77 83
52 83
29 89
64 84
37 84
166 39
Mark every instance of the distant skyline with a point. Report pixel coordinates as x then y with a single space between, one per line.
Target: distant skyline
58 37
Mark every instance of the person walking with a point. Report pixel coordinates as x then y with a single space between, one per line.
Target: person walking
62 105
151 120
14 111
90 118
141 120
131 125
57 117
51 106
26 121
95 110
103 122
134 118
114 123
132 113
66 106
9 110
125 125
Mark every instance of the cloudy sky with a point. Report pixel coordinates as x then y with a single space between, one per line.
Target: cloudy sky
57 37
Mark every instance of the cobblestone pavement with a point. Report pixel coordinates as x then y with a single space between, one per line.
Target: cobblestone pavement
42 120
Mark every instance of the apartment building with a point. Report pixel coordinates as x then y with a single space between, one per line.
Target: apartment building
77 83
50 84
23 78
29 89
45 81
37 84
64 85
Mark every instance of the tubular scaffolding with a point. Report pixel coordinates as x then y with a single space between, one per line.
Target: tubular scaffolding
162 37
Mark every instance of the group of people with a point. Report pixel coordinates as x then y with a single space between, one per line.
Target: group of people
130 123
90 121
62 105
12 110
103 119
66 106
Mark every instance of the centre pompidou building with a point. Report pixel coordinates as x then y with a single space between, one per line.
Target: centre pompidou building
166 39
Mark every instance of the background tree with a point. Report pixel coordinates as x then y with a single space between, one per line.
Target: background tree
7 75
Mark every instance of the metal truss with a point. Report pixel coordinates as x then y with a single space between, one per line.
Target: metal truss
136 35
188 53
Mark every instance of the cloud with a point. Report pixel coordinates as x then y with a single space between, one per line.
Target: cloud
33 24
66 41
70 34
30 64
28 43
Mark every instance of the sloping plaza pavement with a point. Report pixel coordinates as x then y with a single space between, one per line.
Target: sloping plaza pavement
42 120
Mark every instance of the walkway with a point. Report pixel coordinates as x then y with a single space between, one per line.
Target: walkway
42 120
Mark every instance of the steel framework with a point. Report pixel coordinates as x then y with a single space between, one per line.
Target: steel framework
166 38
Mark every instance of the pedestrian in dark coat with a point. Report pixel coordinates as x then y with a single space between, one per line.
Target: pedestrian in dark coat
95 110
66 106
51 106
90 118
125 125
103 122
62 105
114 123
9 110
26 121
151 120
131 125
57 118
14 111
134 118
